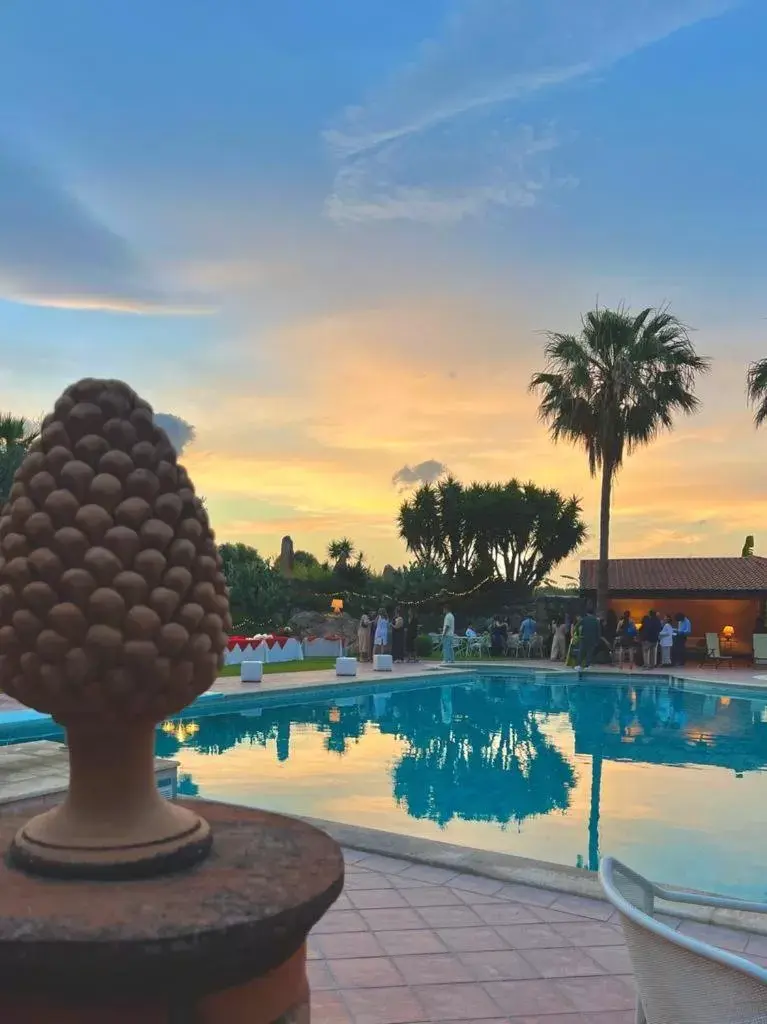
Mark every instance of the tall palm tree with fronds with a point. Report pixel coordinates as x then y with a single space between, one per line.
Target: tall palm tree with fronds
16 436
756 388
614 387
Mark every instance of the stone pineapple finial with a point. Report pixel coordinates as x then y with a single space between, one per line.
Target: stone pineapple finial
113 612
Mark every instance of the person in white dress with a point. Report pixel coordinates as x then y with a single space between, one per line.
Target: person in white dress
448 632
666 640
558 641
381 638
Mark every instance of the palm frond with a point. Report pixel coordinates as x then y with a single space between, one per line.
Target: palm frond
620 382
756 389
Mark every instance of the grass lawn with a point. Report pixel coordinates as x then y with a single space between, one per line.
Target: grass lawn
307 665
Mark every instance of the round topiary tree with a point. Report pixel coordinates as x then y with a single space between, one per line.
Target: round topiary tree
113 615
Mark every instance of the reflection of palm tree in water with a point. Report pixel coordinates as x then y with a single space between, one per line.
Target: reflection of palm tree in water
592 710
490 763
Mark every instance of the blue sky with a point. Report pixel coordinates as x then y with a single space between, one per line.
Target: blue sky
329 236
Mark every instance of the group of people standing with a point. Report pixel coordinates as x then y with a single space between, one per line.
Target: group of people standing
385 632
588 639
667 634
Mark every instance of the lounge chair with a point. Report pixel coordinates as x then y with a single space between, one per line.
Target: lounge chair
681 980
713 653
760 648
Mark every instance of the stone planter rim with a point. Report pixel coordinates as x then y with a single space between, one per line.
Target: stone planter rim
249 907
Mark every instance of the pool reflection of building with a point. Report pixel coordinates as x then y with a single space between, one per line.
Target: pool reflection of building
658 725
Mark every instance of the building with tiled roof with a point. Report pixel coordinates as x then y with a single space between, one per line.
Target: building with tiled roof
712 592
680 576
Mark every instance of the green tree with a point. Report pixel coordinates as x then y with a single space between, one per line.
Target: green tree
307 567
513 532
613 388
258 592
16 436
420 526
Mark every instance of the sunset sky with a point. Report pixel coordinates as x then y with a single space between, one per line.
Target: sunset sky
331 236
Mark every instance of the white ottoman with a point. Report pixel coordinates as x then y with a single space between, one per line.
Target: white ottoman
346 666
251 671
382 663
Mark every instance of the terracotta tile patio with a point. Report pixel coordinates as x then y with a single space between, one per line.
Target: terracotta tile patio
409 944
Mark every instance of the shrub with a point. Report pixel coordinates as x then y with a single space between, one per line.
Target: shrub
423 646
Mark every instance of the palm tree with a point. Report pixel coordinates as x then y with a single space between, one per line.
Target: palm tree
340 551
756 388
614 387
16 436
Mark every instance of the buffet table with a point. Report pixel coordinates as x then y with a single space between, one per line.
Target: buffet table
263 647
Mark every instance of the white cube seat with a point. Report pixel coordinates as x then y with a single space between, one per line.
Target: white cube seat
346 666
251 671
382 663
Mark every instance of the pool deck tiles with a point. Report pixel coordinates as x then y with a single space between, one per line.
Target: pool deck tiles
391 952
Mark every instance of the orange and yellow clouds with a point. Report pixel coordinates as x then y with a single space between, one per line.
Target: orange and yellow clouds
309 443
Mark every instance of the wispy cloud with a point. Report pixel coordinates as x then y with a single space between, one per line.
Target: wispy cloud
452 107
55 252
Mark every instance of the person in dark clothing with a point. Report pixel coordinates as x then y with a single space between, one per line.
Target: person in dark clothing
651 627
410 634
591 634
626 638
499 635
679 648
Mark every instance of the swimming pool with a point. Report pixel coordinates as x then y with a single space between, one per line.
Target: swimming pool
671 780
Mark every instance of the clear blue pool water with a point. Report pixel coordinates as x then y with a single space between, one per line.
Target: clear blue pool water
671 780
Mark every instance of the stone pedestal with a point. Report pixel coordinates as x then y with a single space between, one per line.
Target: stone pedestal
223 943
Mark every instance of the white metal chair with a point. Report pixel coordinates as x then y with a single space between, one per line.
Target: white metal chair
513 646
713 651
760 648
681 980
478 647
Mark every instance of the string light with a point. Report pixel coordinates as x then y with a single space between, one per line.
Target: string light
441 595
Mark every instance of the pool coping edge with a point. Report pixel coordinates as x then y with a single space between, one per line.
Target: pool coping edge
504 867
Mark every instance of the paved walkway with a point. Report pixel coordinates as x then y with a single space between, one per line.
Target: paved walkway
407 943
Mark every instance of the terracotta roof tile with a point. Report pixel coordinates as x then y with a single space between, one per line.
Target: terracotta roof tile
656 575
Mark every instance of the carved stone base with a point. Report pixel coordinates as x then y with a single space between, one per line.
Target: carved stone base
32 850
113 823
